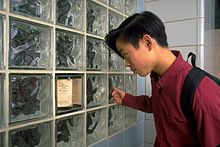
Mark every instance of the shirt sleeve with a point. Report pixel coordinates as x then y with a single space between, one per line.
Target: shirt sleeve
142 103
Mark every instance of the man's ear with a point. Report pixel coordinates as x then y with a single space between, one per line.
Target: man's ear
147 41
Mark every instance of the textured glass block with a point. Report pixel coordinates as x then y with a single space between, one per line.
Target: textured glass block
30 97
69 93
119 5
96 19
116 119
69 50
39 135
30 45
96 125
103 1
131 83
1 4
96 90
2 139
1 99
115 63
115 20
115 81
130 7
41 9
96 54
1 43
69 131
70 13
130 117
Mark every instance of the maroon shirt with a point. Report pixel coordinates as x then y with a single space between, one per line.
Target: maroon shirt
172 128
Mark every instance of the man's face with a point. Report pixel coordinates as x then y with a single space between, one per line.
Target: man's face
138 59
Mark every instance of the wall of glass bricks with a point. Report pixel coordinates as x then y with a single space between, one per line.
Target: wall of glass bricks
56 75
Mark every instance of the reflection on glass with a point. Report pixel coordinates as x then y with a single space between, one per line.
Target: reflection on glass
29 45
69 132
29 97
119 5
115 63
96 126
116 121
37 8
69 50
96 90
114 20
1 42
96 19
31 136
130 6
96 54
1 99
115 81
70 13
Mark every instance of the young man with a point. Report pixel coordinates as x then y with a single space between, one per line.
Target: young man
142 42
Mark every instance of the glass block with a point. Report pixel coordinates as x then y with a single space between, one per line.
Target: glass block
130 117
2 139
70 13
30 97
69 93
1 4
118 5
96 19
115 80
115 63
1 42
115 20
116 119
69 50
96 90
41 9
130 7
96 54
39 135
30 45
103 1
131 83
1 99
69 131
96 125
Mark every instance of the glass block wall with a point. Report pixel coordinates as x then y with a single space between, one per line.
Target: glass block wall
56 76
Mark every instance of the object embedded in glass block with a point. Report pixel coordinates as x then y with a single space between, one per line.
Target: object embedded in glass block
119 5
115 63
30 45
117 81
96 19
115 19
96 125
69 93
70 13
96 90
131 83
39 135
116 119
96 54
30 97
69 131
69 50
35 8
1 99
1 42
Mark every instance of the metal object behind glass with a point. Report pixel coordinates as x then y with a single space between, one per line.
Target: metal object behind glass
30 45
96 18
96 90
96 54
115 63
96 125
30 97
1 42
119 5
116 119
115 81
36 8
115 19
31 136
130 7
69 131
69 50
1 99
70 13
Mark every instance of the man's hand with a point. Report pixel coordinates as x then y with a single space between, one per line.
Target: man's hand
118 95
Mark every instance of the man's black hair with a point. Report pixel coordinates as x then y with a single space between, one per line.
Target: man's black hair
134 28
